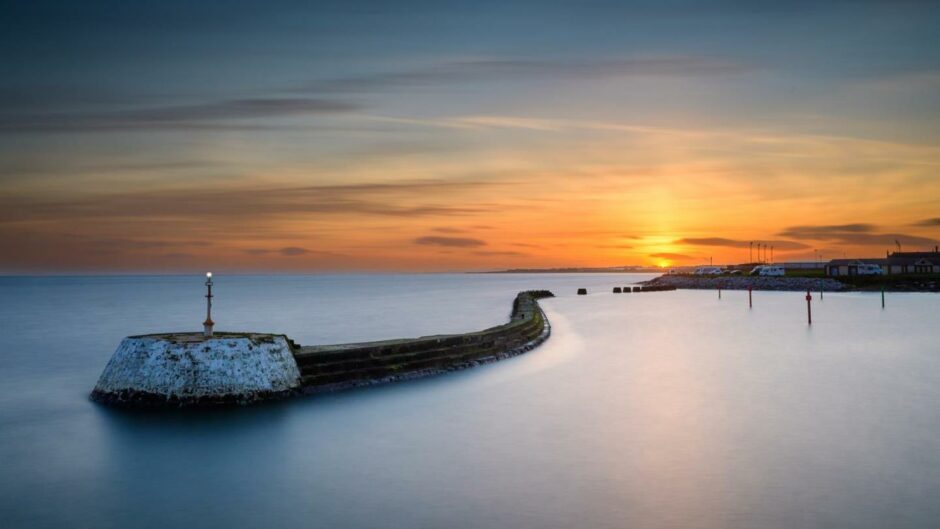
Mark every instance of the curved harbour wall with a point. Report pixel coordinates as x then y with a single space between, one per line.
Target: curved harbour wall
331 367
187 369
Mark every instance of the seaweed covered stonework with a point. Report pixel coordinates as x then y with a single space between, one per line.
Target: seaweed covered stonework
333 367
190 370
175 370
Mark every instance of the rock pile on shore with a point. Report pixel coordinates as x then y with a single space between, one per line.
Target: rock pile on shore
745 282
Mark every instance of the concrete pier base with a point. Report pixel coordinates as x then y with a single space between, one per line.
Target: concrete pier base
177 370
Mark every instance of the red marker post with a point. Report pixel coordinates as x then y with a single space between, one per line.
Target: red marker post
809 309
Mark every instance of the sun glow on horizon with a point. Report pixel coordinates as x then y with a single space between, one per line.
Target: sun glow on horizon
399 160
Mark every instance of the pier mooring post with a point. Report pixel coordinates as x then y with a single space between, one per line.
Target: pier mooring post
809 309
207 325
750 298
719 292
882 297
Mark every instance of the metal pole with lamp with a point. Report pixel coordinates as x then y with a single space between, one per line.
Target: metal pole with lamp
207 325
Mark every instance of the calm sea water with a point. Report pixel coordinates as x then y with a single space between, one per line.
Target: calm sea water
671 409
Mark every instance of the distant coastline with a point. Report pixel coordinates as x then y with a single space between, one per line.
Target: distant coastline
579 270
897 283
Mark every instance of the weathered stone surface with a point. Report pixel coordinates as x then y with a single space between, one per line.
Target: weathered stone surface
189 370
335 367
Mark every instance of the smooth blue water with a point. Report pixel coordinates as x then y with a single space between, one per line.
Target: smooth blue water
667 409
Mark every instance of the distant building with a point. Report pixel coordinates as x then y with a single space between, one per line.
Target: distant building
856 267
913 262
894 263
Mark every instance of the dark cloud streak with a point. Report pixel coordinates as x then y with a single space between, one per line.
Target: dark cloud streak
856 234
210 115
289 251
825 231
412 199
451 242
520 69
732 243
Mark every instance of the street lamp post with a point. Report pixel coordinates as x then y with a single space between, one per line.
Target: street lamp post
207 325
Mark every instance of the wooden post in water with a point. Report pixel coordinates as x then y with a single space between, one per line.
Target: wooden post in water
809 309
750 298
882 297
719 291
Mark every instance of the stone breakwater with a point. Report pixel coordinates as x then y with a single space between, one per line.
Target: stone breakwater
333 367
189 370
744 282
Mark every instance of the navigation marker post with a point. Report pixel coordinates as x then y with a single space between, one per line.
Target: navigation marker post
207 325
809 309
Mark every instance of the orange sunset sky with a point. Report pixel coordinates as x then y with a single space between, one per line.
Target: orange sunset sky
461 139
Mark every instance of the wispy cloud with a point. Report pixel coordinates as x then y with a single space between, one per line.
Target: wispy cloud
826 231
857 234
231 113
498 253
182 256
427 198
484 70
928 222
672 256
144 244
732 243
455 242
288 251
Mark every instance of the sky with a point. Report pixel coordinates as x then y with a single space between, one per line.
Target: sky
281 136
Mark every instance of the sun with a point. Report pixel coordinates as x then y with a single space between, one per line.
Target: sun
663 263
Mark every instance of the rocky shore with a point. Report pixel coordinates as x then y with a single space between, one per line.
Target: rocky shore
744 282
